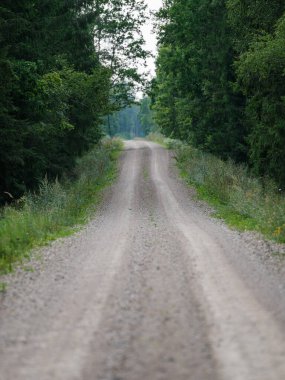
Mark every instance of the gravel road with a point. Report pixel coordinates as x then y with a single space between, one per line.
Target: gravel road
152 289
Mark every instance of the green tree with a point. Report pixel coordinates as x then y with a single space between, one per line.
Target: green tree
119 44
56 85
195 100
260 75
219 79
125 123
258 42
146 117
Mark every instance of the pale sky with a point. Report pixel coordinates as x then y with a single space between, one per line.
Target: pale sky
149 35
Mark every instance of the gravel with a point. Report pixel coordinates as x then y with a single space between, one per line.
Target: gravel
152 288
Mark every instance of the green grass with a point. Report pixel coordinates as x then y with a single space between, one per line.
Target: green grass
3 287
57 209
240 199
145 174
166 142
157 138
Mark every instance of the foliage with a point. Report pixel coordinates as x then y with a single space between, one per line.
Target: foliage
57 207
166 142
242 200
195 101
135 120
56 85
219 81
260 76
124 123
119 43
157 138
146 117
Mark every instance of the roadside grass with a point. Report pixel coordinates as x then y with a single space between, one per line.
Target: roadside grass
240 199
57 209
158 138
166 142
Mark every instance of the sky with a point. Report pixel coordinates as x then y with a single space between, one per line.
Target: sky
150 36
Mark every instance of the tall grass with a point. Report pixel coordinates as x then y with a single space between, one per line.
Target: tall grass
158 138
57 208
241 199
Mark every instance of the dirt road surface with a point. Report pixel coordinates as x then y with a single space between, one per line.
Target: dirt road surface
152 289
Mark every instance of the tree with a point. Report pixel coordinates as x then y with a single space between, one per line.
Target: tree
260 74
119 44
259 41
125 123
195 100
145 116
57 86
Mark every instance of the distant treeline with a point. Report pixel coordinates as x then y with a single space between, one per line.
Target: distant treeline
133 121
220 79
64 66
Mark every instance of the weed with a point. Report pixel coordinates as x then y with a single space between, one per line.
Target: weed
57 209
242 200
3 287
166 142
145 174
158 138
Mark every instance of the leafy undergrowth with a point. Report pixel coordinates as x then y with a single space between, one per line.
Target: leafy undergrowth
58 209
240 199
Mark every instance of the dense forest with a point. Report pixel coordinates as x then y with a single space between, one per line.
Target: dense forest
124 123
220 79
64 66
137 120
68 72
